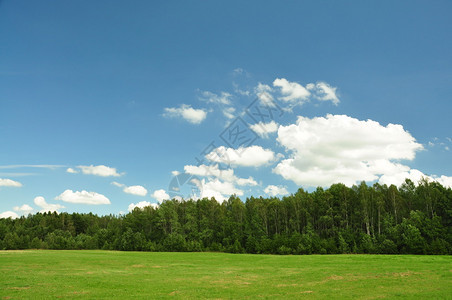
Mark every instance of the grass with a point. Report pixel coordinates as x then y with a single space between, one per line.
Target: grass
38 274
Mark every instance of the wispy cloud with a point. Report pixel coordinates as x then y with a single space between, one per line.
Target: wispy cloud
52 167
9 182
17 174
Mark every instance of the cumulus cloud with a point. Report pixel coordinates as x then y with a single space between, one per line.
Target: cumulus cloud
100 170
292 91
137 190
339 148
214 171
398 178
443 180
46 207
264 129
72 171
83 197
9 182
141 205
219 183
210 170
8 214
160 195
190 114
218 189
274 190
246 181
253 156
25 209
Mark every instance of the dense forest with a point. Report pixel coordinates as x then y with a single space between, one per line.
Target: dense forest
413 219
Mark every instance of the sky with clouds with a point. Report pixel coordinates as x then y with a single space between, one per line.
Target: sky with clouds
106 105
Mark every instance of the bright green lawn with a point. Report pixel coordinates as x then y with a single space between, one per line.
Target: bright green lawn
107 274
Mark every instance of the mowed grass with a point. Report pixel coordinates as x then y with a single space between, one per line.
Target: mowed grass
37 274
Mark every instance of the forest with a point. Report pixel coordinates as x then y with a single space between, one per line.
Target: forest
411 219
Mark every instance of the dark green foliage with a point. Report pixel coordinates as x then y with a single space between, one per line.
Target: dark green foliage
362 219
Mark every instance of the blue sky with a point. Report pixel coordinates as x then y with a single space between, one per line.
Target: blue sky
104 103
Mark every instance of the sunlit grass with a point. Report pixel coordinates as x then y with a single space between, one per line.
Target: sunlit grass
108 274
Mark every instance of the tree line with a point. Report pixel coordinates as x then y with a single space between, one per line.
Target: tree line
411 219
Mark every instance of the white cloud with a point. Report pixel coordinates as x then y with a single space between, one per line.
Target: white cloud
83 197
8 214
263 92
228 112
220 183
192 115
26 209
47 207
160 195
137 190
292 91
246 181
223 98
217 189
51 167
338 148
240 91
264 129
175 173
274 190
9 182
438 142
443 180
240 71
72 171
296 94
398 178
118 184
100 170
210 170
324 92
415 176
214 171
141 205
253 156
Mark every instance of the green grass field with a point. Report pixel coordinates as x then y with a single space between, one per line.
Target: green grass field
35 274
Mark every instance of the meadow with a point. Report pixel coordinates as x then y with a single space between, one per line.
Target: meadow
38 274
